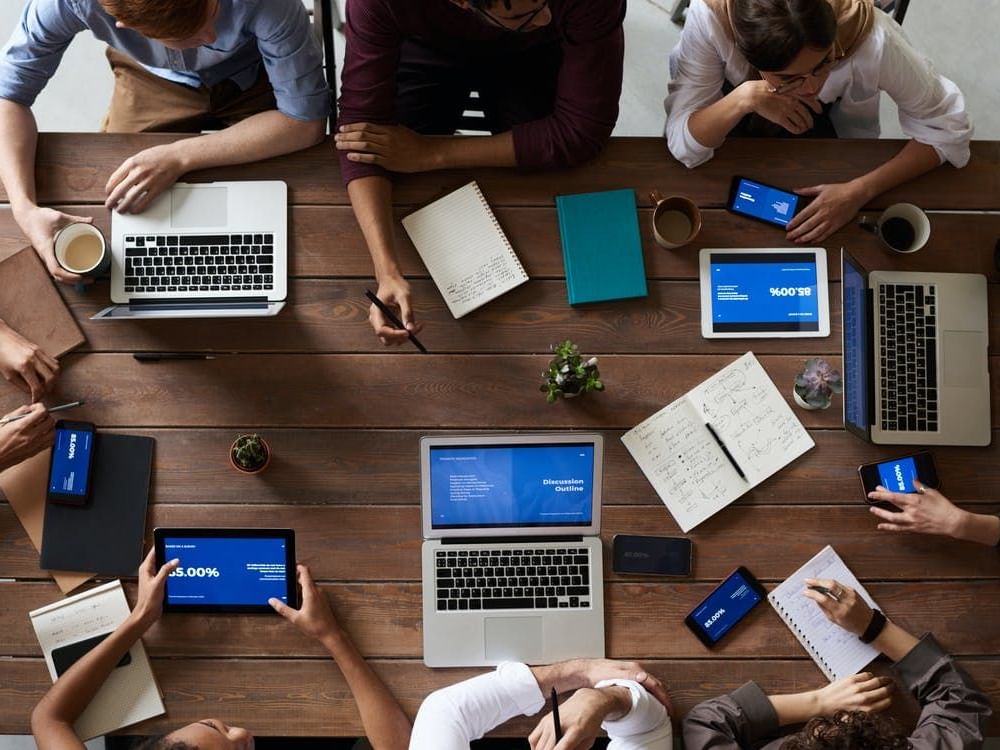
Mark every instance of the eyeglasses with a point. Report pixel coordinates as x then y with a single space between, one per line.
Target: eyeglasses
498 22
792 82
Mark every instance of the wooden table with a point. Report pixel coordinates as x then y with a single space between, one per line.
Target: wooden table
344 417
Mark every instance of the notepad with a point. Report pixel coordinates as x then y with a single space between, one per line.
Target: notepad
466 252
836 651
130 694
685 464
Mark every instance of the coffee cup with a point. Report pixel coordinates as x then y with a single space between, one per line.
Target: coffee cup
903 227
80 248
676 220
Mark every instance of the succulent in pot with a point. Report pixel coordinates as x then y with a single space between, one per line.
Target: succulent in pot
569 374
250 454
816 384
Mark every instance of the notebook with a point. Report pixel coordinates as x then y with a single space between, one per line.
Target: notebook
836 651
602 250
130 694
465 250
687 466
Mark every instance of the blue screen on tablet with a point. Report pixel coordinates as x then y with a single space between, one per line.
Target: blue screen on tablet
898 476
754 292
226 571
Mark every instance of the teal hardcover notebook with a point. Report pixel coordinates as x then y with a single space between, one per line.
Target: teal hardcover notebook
602 250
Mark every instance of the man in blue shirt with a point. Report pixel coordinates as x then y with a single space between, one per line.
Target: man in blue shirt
251 69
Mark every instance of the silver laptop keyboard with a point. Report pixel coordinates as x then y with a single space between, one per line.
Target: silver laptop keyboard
512 578
908 335
199 263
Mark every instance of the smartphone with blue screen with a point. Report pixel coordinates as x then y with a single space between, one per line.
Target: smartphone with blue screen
72 463
761 202
897 475
730 602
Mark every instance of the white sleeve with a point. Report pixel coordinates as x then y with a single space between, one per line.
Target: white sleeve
645 727
697 73
931 107
450 718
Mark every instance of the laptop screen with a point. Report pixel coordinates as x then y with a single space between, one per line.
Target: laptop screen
491 486
856 331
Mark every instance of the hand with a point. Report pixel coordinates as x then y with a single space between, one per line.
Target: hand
394 147
144 176
24 364
852 613
593 671
925 511
859 692
315 618
394 292
833 207
580 718
793 113
24 438
152 582
40 226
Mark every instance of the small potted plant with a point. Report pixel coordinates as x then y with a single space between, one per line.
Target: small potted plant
250 454
816 384
568 375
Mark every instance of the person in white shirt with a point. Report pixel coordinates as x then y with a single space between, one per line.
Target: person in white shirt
742 67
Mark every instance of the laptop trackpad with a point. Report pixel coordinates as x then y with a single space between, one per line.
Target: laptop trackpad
514 639
963 363
199 207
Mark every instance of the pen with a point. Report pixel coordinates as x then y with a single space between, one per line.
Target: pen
53 410
555 715
825 592
726 451
396 322
160 356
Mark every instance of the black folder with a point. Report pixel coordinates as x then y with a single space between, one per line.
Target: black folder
105 535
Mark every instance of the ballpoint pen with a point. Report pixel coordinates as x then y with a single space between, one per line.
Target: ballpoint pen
53 410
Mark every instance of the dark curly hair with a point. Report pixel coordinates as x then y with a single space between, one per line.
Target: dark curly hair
848 730
162 742
771 33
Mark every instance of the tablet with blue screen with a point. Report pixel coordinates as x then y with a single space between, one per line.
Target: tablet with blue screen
764 293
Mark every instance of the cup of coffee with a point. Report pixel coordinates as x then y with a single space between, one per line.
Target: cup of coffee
81 249
902 227
676 220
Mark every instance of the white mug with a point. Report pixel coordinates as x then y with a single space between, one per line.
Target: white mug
903 228
97 264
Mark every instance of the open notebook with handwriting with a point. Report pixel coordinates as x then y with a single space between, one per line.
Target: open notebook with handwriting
690 468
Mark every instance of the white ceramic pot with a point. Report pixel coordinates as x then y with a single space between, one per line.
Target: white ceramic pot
802 402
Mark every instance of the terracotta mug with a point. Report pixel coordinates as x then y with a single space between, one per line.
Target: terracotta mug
676 220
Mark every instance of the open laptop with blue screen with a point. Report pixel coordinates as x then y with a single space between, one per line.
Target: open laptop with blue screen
916 365
512 560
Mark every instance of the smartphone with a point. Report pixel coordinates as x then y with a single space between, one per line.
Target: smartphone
656 555
897 475
71 464
730 602
761 202
66 656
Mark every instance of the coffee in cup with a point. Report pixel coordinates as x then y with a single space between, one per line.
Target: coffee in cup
903 227
676 220
80 248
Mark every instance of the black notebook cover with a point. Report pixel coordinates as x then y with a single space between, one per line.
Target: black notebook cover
105 535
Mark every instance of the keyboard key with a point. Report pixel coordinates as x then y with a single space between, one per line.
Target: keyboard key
508 603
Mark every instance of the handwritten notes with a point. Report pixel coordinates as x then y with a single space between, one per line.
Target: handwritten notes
465 250
687 467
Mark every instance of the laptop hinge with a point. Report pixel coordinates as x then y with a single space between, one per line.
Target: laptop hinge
526 540
197 303
870 355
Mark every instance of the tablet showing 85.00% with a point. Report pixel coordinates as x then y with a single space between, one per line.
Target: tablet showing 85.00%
196 573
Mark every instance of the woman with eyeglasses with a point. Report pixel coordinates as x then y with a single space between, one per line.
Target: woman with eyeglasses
813 68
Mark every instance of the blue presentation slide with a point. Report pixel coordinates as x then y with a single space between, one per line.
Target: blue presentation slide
724 608
71 461
764 202
898 476
226 571
537 485
762 291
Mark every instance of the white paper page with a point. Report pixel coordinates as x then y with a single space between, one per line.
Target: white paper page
464 249
756 424
839 652
684 464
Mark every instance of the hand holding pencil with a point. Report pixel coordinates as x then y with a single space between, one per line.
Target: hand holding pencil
23 433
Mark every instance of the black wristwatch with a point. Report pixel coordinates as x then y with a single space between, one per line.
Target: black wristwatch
875 627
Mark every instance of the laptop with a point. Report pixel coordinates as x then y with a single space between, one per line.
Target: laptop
915 356
512 560
208 250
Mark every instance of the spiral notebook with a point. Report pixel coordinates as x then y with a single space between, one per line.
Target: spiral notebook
466 252
837 652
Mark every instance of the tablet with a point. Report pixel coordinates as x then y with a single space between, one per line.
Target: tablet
764 293
227 570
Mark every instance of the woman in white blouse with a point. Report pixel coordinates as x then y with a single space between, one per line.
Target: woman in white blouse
809 67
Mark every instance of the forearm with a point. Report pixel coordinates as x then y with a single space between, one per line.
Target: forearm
464 151
978 527
18 142
711 125
894 642
796 708
912 161
564 676
371 198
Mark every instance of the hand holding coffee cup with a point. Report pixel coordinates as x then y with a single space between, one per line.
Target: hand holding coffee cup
80 248
676 220
40 225
903 227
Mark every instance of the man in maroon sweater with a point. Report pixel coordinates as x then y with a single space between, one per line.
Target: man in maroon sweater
548 72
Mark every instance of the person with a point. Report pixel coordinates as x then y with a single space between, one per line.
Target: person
845 714
25 365
548 74
927 511
251 70
23 438
810 68
52 719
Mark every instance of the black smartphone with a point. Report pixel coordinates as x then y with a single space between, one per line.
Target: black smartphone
66 656
729 603
656 555
72 462
897 475
761 202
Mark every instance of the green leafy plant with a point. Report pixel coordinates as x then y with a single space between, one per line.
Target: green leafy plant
569 375
250 453
817 383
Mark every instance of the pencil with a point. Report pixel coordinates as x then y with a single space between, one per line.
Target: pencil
555 715
53 410
396 322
